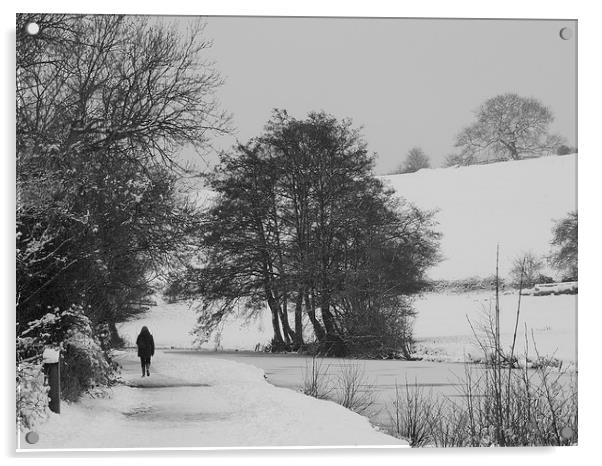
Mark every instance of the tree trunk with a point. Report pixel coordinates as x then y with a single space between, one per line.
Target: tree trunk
513 151
289 335
299 320
115 338
326 315
277 342
333 344
311 312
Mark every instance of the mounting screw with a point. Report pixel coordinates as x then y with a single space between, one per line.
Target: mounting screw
566 33
32 28
32 437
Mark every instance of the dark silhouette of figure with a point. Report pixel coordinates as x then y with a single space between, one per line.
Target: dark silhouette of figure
146 349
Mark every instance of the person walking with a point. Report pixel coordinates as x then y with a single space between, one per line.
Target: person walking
146 349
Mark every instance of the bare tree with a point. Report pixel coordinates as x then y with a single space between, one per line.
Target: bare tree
415 160
508 127
526 270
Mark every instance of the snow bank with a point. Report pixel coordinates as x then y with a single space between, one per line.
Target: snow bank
510 203
546 289
190 401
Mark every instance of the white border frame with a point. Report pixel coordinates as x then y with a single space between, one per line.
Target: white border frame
590 170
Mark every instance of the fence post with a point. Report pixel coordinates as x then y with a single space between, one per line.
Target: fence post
51 361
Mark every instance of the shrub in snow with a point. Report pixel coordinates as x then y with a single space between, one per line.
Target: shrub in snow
355 390
85 366
412 413
502 407
545 362
32 395
380 327
316 382
526 271
563 149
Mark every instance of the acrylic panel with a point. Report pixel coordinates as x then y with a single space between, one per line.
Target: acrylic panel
295 232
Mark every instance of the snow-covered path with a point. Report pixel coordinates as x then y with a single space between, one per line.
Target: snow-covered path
189 401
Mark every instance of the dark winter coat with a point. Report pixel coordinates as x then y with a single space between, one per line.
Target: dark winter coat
145 343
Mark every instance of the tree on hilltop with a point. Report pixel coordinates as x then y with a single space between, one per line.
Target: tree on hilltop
508 127
415 160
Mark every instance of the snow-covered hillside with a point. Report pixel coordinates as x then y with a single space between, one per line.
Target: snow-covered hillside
511 203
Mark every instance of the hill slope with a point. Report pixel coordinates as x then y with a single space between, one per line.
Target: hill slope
512 203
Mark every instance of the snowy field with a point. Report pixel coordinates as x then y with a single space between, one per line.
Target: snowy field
443 331
511 203
191 402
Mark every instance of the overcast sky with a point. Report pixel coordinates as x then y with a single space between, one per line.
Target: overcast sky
408 82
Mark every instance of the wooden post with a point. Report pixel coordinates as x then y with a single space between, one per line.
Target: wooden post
51 360
497 305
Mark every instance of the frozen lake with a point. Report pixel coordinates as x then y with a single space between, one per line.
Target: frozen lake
288 370
382 377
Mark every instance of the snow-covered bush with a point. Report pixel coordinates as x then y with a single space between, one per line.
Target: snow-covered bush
32 395
543 362
84 364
